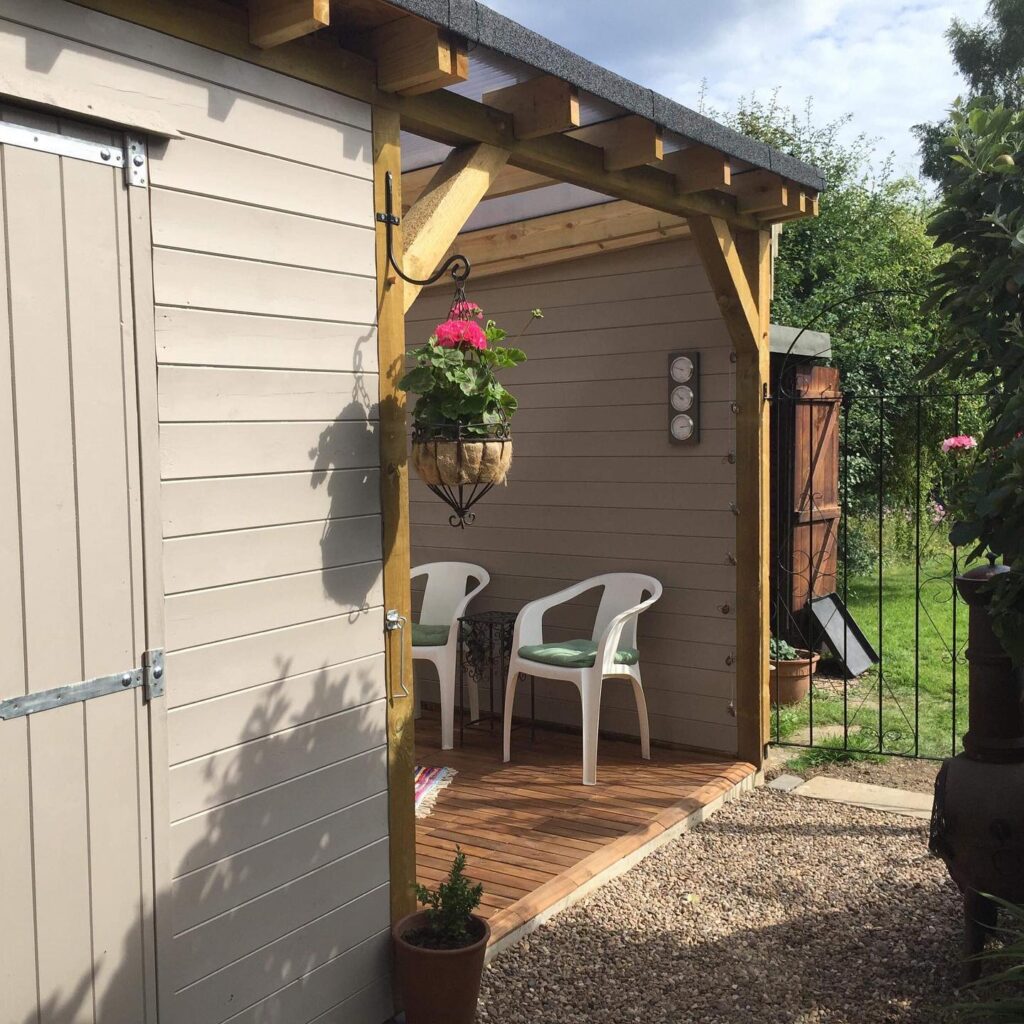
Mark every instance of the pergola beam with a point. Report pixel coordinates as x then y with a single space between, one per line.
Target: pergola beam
509 182
539 106
629 141
273 22
566 236
440 213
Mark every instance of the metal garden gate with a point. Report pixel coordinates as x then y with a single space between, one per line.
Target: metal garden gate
862 567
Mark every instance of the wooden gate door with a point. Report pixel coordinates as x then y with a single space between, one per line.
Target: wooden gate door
76 849
815 510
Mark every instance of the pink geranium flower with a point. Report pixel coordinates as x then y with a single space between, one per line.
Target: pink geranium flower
458 333
959 443
465 310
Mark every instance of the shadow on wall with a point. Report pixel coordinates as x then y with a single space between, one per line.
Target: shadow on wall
345 461
280 884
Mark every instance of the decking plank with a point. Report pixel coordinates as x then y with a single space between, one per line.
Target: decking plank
532 832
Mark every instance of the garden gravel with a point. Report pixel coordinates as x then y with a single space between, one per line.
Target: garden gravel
779 909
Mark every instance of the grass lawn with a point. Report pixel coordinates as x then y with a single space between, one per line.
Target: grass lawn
891 686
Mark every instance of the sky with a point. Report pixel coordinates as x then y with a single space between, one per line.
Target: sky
886 62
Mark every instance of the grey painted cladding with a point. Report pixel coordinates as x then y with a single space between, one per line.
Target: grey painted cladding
479 24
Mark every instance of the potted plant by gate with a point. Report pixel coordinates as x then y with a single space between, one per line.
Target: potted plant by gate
439 951
461 432
791 680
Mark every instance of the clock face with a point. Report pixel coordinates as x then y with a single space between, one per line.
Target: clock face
682 427
682 369
682 398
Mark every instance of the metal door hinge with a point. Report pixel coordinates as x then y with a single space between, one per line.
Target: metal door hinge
150 677
154 681
136 164
60 145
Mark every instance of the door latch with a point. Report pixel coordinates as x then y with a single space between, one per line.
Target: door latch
394 622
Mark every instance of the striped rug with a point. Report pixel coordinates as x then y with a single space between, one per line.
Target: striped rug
429 782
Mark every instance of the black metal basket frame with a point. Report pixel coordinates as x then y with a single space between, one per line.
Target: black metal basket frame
461 498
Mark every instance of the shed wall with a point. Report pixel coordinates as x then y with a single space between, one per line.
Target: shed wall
264 282
596 486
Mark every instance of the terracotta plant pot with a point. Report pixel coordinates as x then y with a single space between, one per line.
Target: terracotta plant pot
438 986
791 680
462 462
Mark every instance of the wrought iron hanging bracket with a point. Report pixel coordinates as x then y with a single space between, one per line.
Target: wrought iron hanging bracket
457 265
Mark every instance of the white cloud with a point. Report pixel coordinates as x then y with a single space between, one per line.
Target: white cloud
884 61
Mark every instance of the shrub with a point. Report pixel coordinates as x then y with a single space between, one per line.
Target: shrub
977 291
449 907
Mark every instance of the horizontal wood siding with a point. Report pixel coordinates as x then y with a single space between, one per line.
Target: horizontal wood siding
264 284
596 486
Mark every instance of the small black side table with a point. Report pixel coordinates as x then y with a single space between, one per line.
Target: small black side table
484 653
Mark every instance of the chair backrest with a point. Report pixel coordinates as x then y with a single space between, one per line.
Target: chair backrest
622 590
446 588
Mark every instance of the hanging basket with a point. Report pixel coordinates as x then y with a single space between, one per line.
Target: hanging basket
452 463
460 464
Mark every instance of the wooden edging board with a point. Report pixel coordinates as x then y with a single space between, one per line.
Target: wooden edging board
513 923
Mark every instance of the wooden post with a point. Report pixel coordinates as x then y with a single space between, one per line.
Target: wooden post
395 514
738 264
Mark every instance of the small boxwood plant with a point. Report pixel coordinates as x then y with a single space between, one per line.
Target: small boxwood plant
449 910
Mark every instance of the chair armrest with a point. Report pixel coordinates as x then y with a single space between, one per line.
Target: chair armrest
609 642
530 621
460 608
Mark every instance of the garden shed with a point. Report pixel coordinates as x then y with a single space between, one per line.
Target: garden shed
205 509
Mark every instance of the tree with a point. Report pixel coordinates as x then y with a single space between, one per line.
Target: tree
990 57
977 291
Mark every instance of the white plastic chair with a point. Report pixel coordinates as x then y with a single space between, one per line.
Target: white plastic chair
614 629
444 602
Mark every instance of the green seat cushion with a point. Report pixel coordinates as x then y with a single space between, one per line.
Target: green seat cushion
574 654
429 636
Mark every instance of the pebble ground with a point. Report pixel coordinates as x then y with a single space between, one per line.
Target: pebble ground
779 910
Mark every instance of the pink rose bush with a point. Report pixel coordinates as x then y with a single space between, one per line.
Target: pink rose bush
961 442
960 462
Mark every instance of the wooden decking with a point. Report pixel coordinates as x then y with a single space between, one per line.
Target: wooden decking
534 835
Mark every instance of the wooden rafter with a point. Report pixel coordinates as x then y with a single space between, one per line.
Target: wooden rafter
509 182
539 106
759 191
795 206
808 207
699 168
442 115
437 217
566 236
415 57
629 141
273 22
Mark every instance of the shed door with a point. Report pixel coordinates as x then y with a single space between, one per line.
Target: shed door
76 863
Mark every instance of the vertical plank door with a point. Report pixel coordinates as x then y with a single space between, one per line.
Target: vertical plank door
76 860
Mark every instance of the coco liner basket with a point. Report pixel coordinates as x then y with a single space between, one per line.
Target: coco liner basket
460 463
